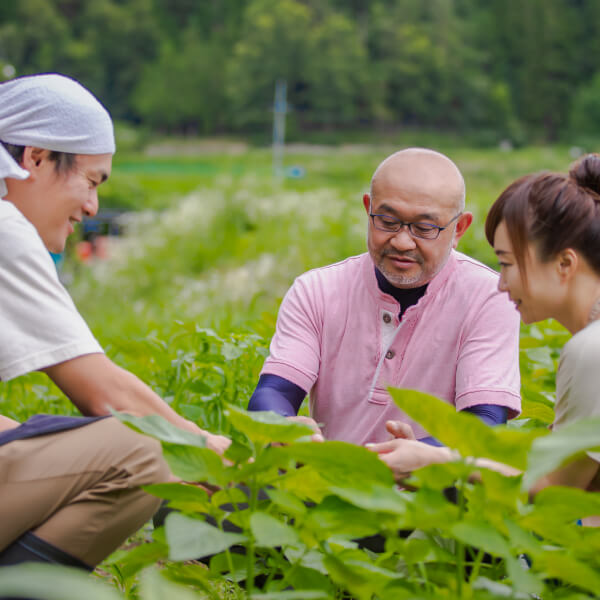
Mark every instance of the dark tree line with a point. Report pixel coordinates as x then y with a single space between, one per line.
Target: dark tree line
502 68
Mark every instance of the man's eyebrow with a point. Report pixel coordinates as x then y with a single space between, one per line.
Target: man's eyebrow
416 218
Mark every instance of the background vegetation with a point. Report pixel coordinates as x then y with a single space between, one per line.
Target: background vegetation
503 69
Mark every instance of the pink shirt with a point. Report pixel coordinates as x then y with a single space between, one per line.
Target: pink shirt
338 336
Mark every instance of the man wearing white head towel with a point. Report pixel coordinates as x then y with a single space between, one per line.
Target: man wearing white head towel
69 486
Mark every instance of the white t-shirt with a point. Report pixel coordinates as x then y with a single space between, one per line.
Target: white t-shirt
39 324
578 379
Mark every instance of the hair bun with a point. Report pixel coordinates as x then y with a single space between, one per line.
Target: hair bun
586 172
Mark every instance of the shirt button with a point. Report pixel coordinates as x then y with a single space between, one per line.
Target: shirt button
387 317
390 354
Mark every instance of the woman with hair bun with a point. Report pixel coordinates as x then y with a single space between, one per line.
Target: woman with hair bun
545 230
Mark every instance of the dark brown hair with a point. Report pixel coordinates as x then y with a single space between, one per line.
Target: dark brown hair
552 211
63 161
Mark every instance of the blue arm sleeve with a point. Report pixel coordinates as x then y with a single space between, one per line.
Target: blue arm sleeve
277 394
490 414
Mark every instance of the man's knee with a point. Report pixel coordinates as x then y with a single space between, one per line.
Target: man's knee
136 455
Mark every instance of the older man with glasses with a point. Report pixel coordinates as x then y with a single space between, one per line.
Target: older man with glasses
411 313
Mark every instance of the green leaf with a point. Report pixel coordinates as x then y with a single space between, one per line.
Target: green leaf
265 427
465 432
360 578
52 582
550 452
134 560
481 535
343 464
196 464
270 532
286 502
373 496
522 578
293 595
161 429
334 516
182 496
231 351
569 569
155 587
191 539
567 504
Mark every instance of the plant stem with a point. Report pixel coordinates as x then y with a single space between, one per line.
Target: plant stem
250 549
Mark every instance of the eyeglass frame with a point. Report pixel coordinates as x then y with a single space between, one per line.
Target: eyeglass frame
402 224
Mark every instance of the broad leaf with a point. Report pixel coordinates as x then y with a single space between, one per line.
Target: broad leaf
265 427
463 431
161 429
191 539
270 532
552 451
52 582
196 464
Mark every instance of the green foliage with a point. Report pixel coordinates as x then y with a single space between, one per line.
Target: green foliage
498 70
188 304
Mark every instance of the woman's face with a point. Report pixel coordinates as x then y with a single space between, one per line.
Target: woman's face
536 299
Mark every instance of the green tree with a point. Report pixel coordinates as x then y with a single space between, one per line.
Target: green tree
274 44
184 89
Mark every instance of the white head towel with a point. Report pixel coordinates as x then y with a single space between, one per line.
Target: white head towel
52 112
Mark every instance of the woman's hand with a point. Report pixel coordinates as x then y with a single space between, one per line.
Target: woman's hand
403 456
217 443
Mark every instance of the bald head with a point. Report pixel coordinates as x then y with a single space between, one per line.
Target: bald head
421 174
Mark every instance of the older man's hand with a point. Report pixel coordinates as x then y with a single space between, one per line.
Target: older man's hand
398 429
317 435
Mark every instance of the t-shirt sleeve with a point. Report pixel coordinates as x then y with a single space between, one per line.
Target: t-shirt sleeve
578 380
39 324
295 350
487 371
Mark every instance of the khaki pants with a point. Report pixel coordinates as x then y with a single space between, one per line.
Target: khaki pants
79 489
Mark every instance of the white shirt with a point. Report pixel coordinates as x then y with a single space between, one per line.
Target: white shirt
39 324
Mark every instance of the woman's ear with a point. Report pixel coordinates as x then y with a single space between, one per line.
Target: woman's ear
567 262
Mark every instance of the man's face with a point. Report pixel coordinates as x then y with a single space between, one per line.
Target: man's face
404 260
62 199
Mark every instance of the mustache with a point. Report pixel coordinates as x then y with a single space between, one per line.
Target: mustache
411 254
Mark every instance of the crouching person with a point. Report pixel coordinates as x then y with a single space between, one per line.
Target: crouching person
69 486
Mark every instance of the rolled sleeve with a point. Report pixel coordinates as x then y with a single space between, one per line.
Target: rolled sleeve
487 370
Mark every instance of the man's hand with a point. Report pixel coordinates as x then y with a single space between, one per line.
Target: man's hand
404 456
398 429
6 423
217 443
317 435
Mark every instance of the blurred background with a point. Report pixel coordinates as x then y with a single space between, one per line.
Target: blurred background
223 193
494 71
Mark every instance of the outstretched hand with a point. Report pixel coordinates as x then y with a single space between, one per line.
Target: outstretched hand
403 456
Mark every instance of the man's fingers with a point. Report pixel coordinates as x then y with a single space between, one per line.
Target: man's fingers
400 430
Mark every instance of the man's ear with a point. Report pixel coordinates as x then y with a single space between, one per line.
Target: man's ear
367 202
463 223
33 158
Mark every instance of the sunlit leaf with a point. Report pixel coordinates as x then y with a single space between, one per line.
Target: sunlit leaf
463 431
161 429
481 535
552 451
265 427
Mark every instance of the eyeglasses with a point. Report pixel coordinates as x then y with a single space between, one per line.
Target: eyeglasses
425 231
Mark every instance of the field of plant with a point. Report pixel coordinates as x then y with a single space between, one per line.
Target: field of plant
188 299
